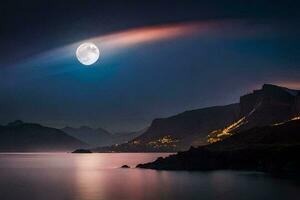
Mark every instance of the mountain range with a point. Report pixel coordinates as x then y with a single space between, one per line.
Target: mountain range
29 137
93 137
19 136
273 148
100 137
269 105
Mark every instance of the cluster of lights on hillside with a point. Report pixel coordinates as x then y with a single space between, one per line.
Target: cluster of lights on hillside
220 134
165 141
292 119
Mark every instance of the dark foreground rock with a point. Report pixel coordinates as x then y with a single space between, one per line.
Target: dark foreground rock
273 149
260 158
82 151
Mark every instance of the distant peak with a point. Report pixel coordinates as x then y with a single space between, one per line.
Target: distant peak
267 85
15 123
271 87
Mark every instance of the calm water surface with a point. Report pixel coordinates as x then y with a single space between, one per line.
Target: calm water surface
63 176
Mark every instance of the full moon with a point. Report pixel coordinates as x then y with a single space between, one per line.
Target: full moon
87 53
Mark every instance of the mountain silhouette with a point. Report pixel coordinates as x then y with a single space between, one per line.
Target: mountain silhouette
93 137
18 136
273 148
100 137
269 105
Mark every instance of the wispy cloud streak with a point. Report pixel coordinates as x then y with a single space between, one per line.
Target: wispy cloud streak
115 42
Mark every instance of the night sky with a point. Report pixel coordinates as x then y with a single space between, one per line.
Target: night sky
158 58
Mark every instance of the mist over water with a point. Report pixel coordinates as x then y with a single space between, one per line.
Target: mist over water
99 176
